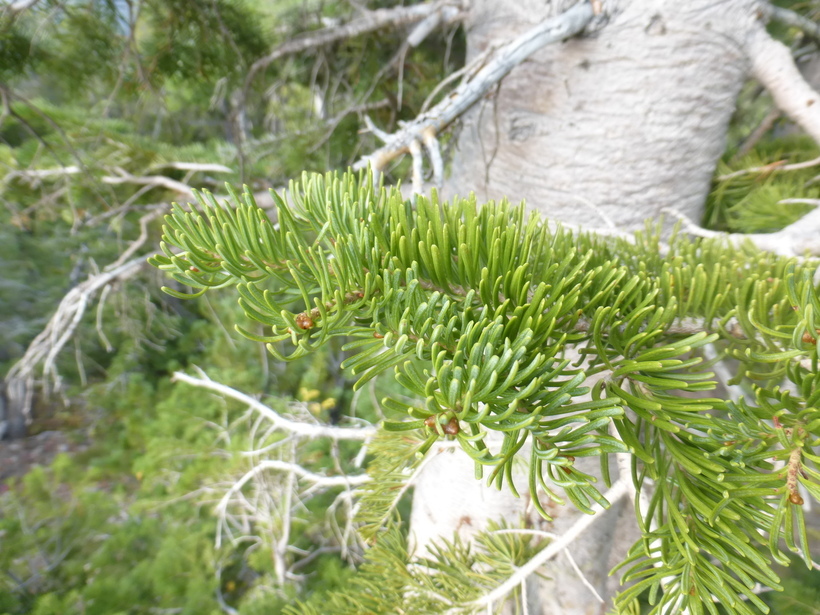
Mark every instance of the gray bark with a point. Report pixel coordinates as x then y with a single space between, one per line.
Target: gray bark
616 125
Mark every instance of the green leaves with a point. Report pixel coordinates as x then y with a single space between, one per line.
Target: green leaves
493 322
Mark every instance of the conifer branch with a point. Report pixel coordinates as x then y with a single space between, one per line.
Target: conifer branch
473 309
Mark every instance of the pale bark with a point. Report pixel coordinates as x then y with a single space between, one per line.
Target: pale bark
773 66
632 119
487 75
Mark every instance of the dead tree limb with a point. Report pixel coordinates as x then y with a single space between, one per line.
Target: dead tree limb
773 65
495 68
616 492
20 380
797 239
365 22
305 430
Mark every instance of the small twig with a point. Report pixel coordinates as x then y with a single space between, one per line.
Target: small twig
795 20
567 552
205 167
378 132
318 481
431 144
815 202
765 126
473 66
124 177
368 21
418 166
100 332
768 168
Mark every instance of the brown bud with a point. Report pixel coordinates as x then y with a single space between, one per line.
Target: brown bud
304 322
194 269
808 338
377 335
451 428
430 421
796 498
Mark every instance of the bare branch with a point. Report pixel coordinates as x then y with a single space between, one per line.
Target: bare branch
378 132
365 22
815 202
798 239
293 470
47 345
418 166
124 177
427 25
773 65
500 63
780 165
300 429
205 167
469 70
434 153
766 124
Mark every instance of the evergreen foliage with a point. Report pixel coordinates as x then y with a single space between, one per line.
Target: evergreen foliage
473 309
390 579
759 202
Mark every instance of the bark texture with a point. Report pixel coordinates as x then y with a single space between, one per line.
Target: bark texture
615 125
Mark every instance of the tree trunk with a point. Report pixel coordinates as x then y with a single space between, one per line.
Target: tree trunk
611 127
603 130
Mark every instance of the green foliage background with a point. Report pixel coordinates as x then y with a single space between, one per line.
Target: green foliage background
126 524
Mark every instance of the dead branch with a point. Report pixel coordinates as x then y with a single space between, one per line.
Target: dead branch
206 167
772 64
766 124
365 22
120 176
496 67
769 168
296 428
123 177
46 346
798 239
